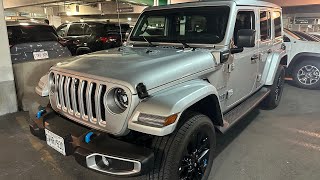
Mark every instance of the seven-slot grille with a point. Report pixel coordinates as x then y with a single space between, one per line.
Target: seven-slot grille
81 98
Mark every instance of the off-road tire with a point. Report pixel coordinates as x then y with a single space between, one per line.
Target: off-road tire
298 67
273 99
168 149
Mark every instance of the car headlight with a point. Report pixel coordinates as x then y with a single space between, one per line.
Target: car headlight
121 98
117 100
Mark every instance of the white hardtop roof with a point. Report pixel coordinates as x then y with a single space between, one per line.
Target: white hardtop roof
217 2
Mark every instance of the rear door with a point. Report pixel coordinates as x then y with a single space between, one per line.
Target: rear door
266 41
34 42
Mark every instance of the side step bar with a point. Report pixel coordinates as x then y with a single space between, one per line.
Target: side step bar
242 109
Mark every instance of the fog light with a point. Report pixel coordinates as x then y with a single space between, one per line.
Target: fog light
105 161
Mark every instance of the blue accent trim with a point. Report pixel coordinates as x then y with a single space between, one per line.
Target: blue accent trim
87 138
40 113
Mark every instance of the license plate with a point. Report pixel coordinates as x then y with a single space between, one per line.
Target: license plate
40 55
55 141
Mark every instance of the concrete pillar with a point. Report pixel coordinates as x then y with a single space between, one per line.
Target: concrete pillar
155 2
8 99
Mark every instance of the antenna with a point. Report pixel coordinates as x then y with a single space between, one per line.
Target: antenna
118 12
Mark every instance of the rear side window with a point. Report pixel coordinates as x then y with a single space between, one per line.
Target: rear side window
87 30
277 23
265 25
62 30
76 30
111 27
26 34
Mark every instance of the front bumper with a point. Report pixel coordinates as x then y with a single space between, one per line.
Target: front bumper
103 153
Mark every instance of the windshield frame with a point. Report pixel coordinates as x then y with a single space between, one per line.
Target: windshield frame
141 41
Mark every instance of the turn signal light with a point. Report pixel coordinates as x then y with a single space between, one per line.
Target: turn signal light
157 121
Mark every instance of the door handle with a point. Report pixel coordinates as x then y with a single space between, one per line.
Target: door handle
269 51
255 57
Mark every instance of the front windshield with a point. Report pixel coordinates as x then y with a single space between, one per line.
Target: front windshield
201 25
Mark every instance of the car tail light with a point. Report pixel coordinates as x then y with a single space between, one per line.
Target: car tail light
103 39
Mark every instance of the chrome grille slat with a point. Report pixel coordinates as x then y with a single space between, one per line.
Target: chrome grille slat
73 96
97 102
57 94
67 95
88 100
81 103
61 92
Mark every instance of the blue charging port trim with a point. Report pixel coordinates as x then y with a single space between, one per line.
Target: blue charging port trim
87 138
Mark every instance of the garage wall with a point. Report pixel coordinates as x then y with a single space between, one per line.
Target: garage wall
8 102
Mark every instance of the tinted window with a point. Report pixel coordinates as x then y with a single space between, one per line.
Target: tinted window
87 30
76 30
62 30
265 25
111 27
205 25
32 33
245 20
277 24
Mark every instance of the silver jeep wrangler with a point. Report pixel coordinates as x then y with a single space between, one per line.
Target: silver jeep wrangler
152 107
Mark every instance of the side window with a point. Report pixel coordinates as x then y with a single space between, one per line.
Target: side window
277 23
62 30
154 26
87 30
245 20
76 30
265 25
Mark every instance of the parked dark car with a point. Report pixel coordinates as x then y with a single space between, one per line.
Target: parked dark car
86 37
34 41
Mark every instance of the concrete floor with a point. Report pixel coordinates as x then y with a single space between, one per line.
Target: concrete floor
283 144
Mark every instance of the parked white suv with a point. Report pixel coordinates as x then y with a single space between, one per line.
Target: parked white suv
303 63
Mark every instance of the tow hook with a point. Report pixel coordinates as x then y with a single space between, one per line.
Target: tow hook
40 112
88 137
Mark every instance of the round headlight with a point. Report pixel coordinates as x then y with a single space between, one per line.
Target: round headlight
121 98
117 100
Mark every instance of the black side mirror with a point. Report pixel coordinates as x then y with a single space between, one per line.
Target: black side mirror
285 38
246 38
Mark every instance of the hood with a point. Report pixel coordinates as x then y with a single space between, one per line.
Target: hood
130 66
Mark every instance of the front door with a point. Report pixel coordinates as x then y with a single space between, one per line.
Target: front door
244 66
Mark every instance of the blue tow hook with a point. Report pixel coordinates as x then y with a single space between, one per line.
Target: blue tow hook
40 113
88 136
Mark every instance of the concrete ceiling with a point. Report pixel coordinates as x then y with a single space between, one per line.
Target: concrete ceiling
21 3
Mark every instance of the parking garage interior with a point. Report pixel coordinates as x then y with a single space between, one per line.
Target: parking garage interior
282 144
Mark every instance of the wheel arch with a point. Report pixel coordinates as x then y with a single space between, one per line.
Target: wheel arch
204 106
298 59
273 61
188 96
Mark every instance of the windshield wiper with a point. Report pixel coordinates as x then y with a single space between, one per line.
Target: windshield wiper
185 45
148 41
